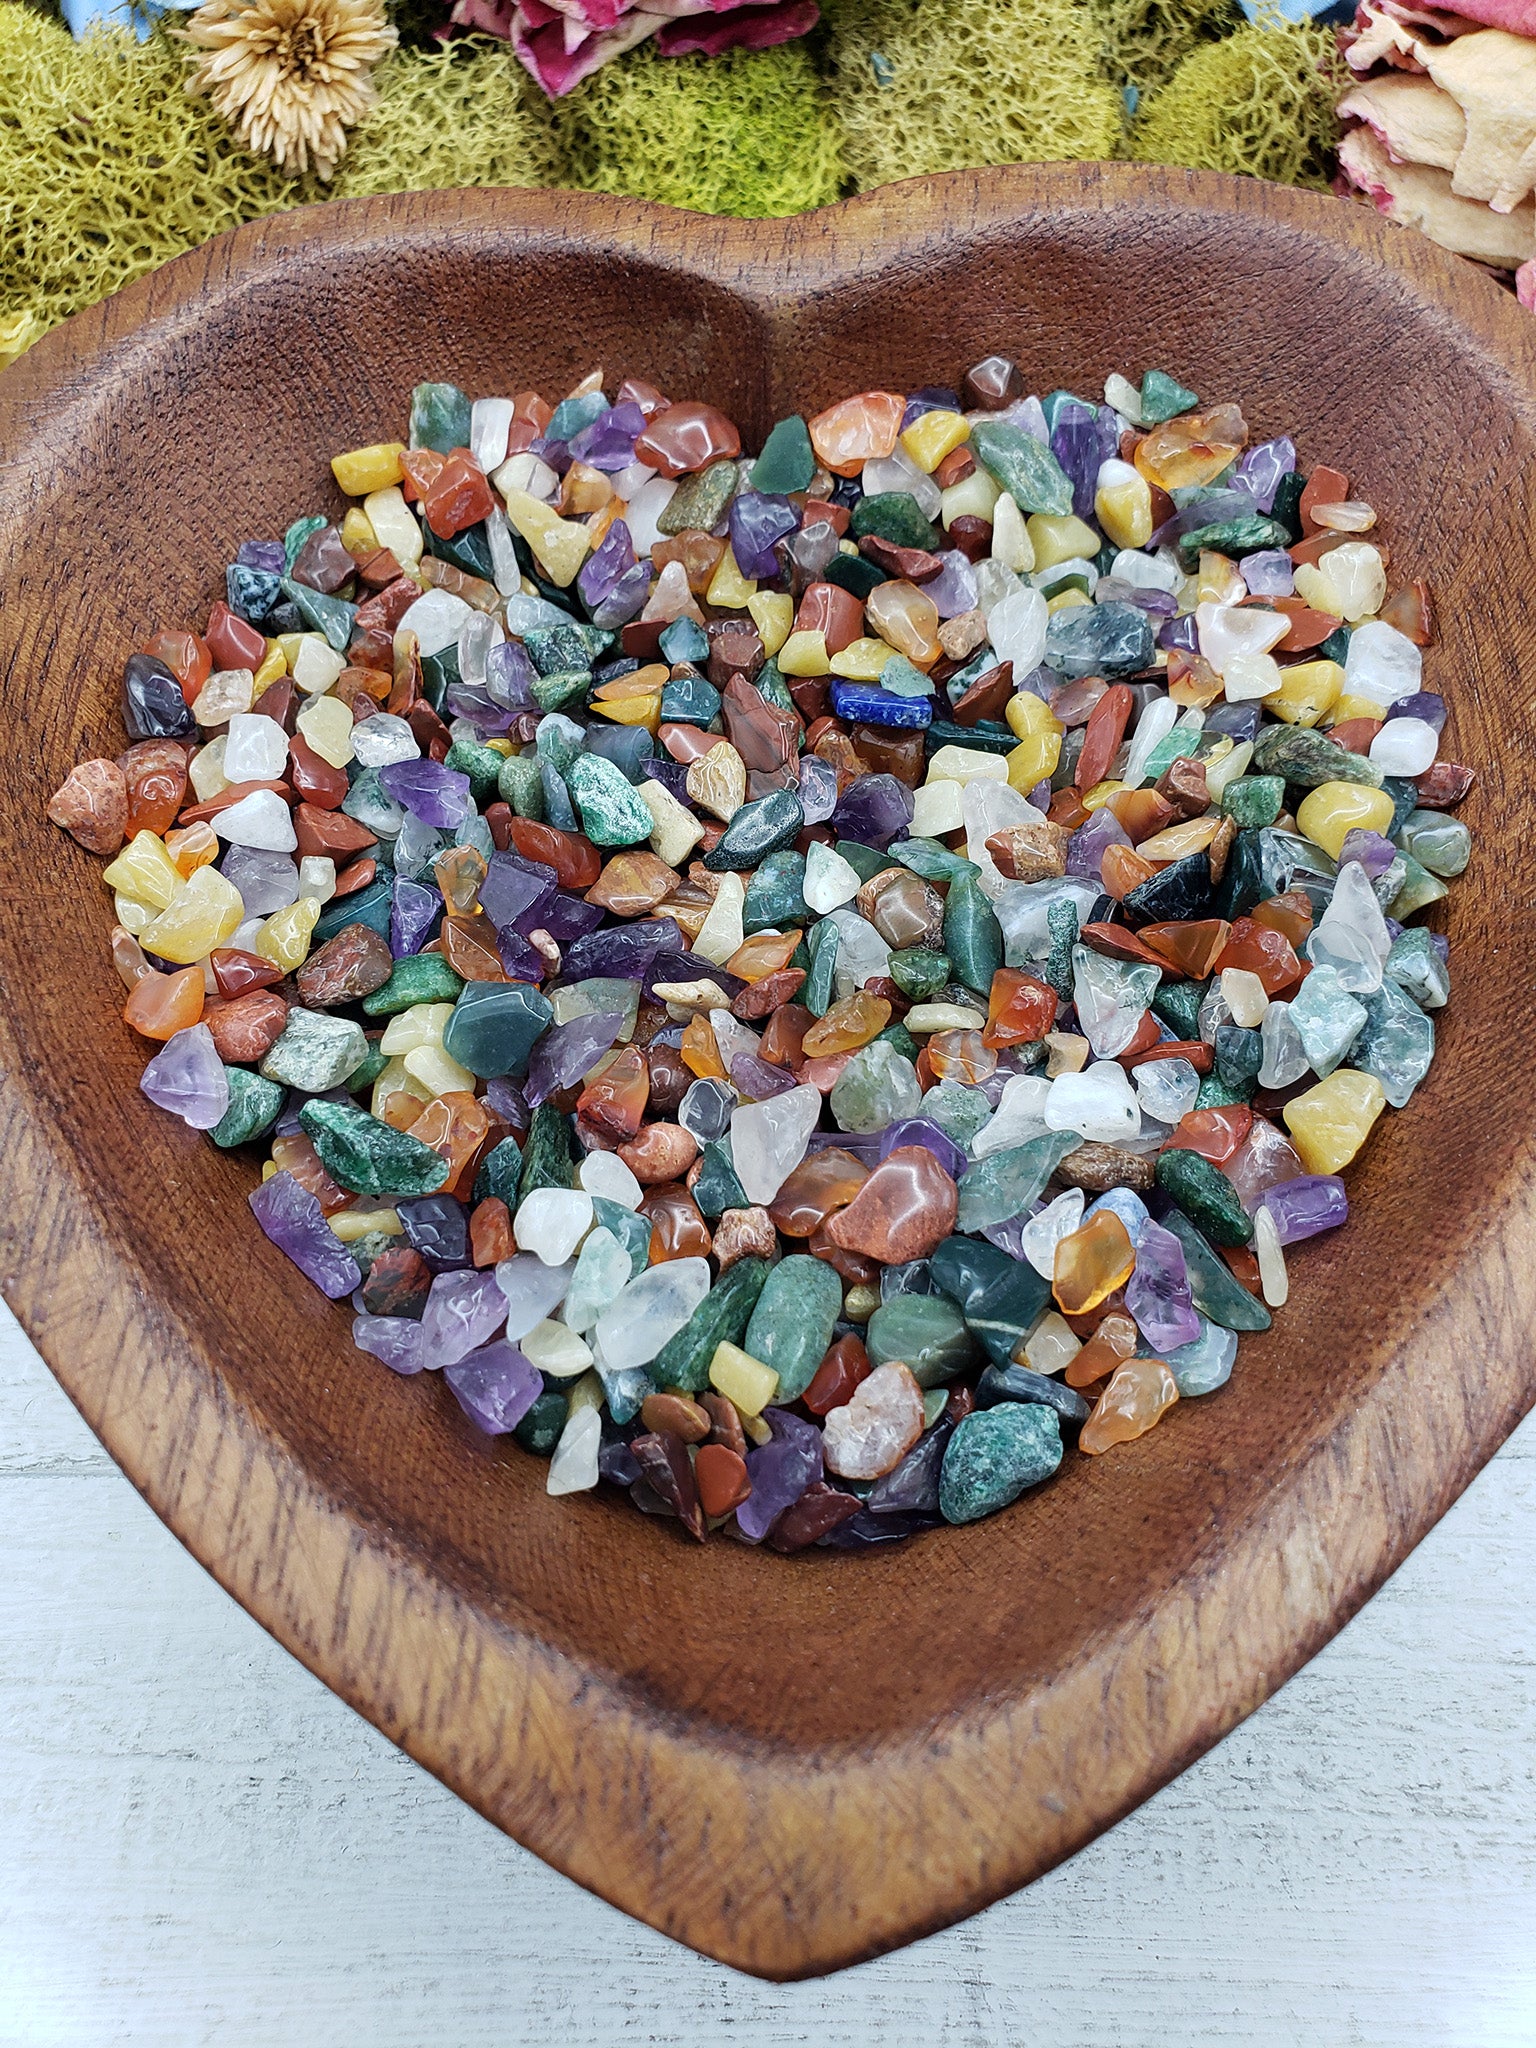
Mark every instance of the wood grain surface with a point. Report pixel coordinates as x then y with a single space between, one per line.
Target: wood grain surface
788 1765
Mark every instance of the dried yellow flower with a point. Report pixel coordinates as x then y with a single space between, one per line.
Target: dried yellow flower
290 76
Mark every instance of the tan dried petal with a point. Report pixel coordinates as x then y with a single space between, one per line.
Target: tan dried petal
290 76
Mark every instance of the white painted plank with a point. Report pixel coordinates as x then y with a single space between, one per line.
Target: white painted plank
198 1844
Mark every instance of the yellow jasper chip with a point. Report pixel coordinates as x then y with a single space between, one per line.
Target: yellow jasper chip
1061 538
273 668
742 1379
314 664
205 770
1033 760
972 498
677 831
773 613
1344 707
1029 714
643 708
394 526
805 654
729 590
1066 600
204 913
1096 798
284 938
1177 842
861 661
362 470
422 1024
131 915
1306 692
937 807
145 871
1011 544
932 436
555 1349
1224 764
437 1073
1123 504
1329 1123
1335 808
357 534
560 546
965 764
394 1080
351 1224
326 724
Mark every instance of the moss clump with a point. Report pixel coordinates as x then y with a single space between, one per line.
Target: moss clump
944 85
1261 103
746 133
1145 41
461 113
108 169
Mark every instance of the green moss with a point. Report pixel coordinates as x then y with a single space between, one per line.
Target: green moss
745 133
108 169
942 85
1146 40
461 113
1260 103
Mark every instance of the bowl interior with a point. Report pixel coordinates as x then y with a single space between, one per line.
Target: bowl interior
209 417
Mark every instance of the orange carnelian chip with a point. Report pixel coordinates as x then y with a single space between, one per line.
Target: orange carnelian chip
613 1102
784 1035
458 497
1115 1339
452 1126
764 954
821 1184
857 430
1190 947
1290 913
701 1055
401 1109
576 861
187 657
962 1056
1262 951
1092 1263
1020 1010
295 1154
490 1232
160 1005
1214 1133
1122 871
678 1229
850 1023
1141 812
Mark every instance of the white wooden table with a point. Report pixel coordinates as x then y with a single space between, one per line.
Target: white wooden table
199 1844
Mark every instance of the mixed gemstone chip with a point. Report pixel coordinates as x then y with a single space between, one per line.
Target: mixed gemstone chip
804 984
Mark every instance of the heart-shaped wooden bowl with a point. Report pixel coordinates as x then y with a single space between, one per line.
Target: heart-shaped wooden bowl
787 1763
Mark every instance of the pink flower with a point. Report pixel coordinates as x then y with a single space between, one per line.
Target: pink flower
561 42
752 27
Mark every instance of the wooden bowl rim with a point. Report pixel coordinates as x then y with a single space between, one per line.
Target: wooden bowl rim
363 1608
